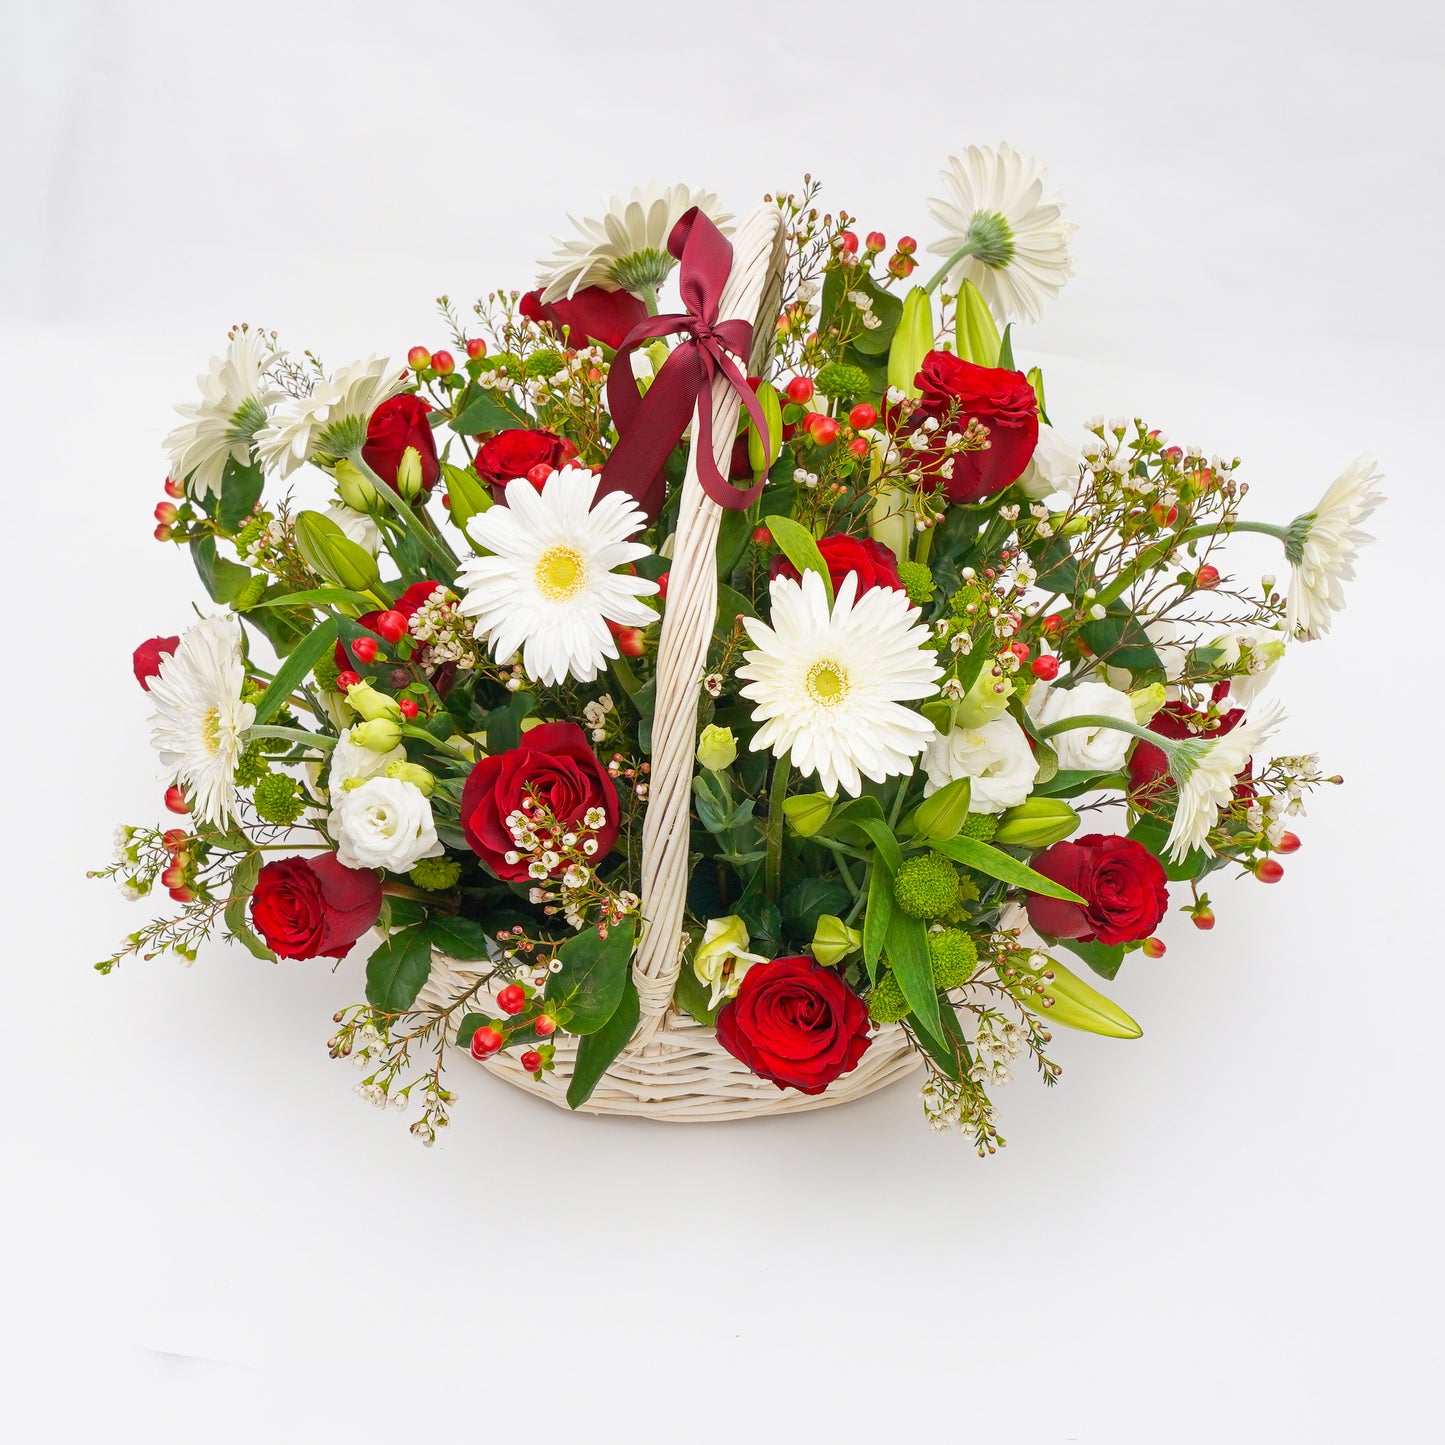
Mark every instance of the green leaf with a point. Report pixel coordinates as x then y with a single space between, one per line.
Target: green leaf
479 409
878 916
322 597
469 1025
907 949
845 823
1103 958
291 672
1069 783
243 884
881 836
691 995
1120 640
222 579
463 939
596 1052
762 916
593 976
504 724
1006 348
466 493
886 307
397 970
986 859
1153 834
241 488
806 901
950 1052
799 547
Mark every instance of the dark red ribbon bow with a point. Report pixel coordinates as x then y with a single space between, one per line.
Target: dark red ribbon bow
648 427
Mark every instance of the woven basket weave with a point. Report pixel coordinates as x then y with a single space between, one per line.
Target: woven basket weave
674 1068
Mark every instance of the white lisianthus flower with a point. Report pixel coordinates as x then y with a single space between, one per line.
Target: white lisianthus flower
1089 749
384 823
722 958
996 756
1053 470
1173 654
356 526
352 763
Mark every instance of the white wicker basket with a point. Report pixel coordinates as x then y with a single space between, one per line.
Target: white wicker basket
674 1068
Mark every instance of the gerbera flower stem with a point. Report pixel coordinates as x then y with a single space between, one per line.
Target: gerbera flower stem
290 735
437 549
773 862
1179 753
969 248
1149 559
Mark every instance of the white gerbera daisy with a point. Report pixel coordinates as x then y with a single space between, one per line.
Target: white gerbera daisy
627 249
549 589
331 421
232 409
1321 546
199 716
830 685
1206 773
1002 232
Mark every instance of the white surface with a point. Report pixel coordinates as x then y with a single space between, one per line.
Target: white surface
1228 1230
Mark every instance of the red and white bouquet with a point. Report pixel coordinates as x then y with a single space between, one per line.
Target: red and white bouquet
940 628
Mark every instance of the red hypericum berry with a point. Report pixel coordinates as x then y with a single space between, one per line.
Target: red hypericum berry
364 649
418 358
176 800
476 347
347 679
1288 843
174 839
408 708
544 1024
173 877
875 241
1268 871
800 390
539 474
902 266
1154 948
907 245
512 999
443 363
825 431
1045 668
1053 624
662 586
1020 650
762 537
858 447
162 533
181 895
531 1061
174 488
862 416
631 642
392 625
849 242
485 1042
1163 517
1204 918
1207 578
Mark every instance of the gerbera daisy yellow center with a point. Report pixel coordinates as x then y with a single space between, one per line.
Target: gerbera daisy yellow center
211 730
827 683
560 572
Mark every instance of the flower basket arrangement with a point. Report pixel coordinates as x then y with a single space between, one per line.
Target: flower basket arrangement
697 679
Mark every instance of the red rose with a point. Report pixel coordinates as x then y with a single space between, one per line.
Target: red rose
1121 881
305 907
553 766
593 314
795 1023
394 426
407 604
1003 401
146 660
512 454
874 563
1148 765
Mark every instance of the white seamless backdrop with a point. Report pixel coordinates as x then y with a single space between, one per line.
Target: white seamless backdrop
1228 1229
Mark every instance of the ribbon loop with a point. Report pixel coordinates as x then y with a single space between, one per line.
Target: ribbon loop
650 426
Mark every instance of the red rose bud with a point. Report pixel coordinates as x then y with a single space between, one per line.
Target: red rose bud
364 649
1154 948
593 314
531 1061
1288 843
1122 884
176 800
544 1024
418 358
1268 871
512 999
517 452
800 390
848 242
907 245
858 447
876 241
174 488
181 895
443 363
1020 650
392 625
1045 668
314 906
175 839
396 425
146 659
485 1042
1052 625
862 416
476 347
408 708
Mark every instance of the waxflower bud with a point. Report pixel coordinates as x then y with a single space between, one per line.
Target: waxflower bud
717 748
412 773
1036 823
373 705
409 481
833 940
355 490
381 734
807 812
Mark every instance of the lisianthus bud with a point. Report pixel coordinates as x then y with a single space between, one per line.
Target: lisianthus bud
380 735
722 958
354 488
807 812
833 940
373 705
413 773
1036 823
408 474
985 700
717 748
329 551
1147 701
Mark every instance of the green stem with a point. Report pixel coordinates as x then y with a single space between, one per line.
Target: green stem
1179 753
938 276
433 545
844 871
923 546
773 863
649 299
422 735
621 669
1151 557
294 735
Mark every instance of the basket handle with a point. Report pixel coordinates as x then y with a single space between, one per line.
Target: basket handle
753 293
